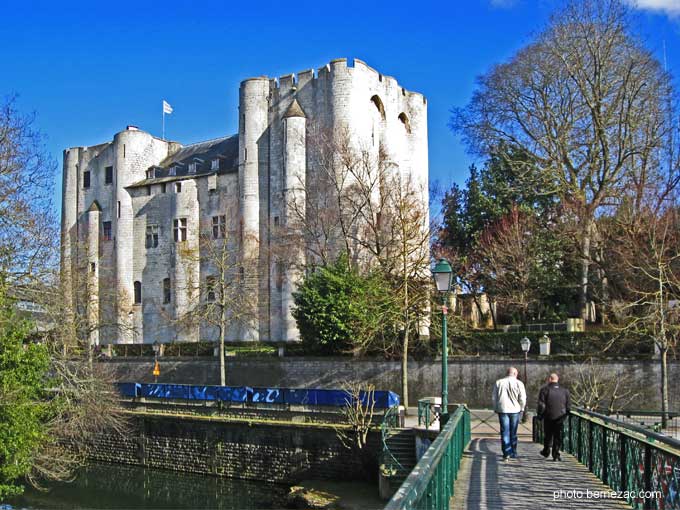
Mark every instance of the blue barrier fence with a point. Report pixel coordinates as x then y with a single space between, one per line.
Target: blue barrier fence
290 396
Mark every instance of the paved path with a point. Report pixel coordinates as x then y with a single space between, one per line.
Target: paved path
486 482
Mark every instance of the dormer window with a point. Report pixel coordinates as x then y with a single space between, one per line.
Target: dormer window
215 164
192 167
150 173
173 170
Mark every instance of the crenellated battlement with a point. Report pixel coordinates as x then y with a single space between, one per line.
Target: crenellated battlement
283 84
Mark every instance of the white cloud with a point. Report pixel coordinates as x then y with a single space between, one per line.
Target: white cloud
669 7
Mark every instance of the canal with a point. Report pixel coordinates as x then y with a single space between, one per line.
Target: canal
116 486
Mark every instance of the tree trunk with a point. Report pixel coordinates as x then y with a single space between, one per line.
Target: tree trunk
664 386
585 266
223 320
404 369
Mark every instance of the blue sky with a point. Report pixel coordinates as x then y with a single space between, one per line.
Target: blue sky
90 69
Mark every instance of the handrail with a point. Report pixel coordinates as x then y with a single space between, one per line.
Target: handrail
430 484
427 411
644 466
390 421
638 412
636 432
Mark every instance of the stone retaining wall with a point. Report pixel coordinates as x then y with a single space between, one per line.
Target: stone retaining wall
470 380
282 453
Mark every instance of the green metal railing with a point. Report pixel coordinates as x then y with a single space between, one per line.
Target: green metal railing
430 484
428 411
388 462
641 465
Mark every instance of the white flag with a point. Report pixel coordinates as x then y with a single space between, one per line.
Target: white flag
166 107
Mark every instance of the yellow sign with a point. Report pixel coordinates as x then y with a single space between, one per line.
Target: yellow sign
157 369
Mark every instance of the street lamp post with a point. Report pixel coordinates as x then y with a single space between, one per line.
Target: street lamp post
443 274
156 350
526 345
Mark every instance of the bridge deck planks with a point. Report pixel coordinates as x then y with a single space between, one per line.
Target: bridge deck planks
485 482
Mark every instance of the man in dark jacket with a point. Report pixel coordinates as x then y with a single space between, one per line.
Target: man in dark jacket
553 407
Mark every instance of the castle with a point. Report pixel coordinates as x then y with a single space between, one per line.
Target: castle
132 206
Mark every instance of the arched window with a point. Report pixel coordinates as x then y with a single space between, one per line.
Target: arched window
404 120
379 105
138 292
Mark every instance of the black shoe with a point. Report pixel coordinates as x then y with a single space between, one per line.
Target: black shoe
557 459
545 454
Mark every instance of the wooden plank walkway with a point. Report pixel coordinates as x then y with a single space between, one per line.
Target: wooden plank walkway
531 482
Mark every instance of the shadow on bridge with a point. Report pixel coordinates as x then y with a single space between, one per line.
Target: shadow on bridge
530 482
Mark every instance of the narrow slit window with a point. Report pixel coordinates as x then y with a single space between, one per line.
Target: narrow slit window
107 233
86 179
138 292
210 289
178 187
167 291
108 177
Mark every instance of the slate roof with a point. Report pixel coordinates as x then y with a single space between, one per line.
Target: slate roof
294 110
202 153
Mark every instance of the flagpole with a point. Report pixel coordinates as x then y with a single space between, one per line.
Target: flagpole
163 108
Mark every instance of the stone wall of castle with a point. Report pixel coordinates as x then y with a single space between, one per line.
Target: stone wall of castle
276 160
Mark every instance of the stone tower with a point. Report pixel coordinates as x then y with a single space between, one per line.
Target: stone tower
133 205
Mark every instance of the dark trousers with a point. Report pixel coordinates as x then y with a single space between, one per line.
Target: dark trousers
552 431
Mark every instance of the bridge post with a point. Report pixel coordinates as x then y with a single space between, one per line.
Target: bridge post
591 448
623 466
605 478
579 441
648 476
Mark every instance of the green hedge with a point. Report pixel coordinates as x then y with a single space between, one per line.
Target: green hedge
468 343
193 349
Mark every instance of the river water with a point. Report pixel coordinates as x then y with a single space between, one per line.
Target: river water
118 486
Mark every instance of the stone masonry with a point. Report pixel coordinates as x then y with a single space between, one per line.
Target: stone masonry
248 450
135 209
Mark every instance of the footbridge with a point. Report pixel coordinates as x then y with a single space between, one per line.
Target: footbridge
607 464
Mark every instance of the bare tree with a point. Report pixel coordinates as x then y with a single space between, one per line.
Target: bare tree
594 388
649 253
28 234
358 413
82 399
586 102
518 260
86 404
219 300
362 203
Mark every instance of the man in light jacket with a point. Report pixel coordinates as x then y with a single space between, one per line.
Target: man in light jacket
509 400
